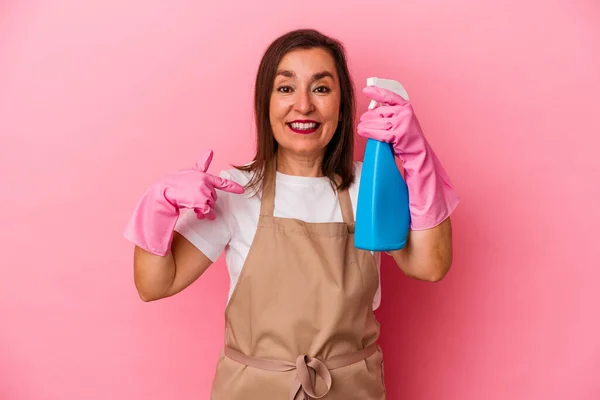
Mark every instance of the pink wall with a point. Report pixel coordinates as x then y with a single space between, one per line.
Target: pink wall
98 98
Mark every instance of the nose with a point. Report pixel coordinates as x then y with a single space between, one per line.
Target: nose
303 104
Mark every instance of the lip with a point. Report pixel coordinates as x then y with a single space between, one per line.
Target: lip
303 131
304 121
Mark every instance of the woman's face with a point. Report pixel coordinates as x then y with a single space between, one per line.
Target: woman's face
305 103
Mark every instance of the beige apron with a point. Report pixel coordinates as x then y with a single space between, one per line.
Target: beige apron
300 323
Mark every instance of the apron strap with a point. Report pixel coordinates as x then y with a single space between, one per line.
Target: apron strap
267 203
307 369
346 207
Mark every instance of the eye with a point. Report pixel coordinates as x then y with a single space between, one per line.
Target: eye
284 89
322 89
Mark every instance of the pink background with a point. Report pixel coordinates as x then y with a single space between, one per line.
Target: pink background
99 98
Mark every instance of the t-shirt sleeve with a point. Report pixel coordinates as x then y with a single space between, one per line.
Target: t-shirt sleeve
210 237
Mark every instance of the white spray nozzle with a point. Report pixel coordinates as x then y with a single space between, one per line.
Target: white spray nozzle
388 84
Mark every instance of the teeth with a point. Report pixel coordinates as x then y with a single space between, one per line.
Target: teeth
304 126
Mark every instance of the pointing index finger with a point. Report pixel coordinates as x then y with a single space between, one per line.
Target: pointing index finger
225 185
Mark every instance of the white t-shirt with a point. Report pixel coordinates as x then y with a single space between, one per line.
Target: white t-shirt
308 199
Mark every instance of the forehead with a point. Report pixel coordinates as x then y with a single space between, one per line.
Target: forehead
307 62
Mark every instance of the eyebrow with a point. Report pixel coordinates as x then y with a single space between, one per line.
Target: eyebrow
315 77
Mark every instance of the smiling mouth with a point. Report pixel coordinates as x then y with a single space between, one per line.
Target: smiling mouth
304 128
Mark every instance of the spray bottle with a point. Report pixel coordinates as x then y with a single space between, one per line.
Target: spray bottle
382 212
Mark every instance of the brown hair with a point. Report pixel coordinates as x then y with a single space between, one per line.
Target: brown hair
338 159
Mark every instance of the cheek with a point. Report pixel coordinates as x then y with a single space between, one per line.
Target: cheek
332 113
331 108
277 111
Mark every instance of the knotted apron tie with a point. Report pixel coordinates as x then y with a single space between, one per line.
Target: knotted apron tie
307 369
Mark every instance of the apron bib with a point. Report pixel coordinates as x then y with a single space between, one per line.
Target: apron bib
300 324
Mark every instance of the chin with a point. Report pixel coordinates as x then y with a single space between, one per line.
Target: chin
305 150
306 144
310 145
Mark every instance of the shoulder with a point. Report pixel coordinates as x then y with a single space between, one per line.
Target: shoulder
240 177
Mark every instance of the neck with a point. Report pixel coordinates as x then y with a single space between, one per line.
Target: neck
299 165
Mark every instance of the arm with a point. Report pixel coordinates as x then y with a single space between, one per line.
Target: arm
157 277
165 262
428 253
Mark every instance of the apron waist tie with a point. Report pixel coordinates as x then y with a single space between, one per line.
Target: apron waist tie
307 369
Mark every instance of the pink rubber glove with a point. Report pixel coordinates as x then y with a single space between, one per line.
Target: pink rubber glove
431 195
153 220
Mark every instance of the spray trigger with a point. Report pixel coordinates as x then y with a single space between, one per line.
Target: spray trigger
388 84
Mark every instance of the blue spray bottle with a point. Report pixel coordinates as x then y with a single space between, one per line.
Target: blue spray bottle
382 210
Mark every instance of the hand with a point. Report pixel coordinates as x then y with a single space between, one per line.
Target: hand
195 188
154 218
393 121
431 195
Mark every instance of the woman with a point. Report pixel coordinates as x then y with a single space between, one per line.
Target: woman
299 318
